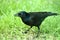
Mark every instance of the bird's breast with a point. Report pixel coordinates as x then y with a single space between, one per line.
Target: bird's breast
27 21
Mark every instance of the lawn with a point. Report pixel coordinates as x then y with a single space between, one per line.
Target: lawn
11 27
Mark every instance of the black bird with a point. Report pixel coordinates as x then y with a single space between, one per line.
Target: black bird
34 18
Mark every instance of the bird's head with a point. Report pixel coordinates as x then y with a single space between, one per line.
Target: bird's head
22 14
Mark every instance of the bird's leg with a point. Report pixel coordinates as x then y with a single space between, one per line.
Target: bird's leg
28 30
38 31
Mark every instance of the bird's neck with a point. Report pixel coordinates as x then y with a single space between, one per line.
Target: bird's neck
26 17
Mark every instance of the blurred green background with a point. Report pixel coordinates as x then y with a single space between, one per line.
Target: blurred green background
11 27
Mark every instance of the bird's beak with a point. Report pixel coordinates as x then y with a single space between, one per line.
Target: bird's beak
15 14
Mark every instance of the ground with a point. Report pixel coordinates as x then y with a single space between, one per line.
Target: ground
11 27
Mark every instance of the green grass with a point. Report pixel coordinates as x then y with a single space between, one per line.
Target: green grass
11 27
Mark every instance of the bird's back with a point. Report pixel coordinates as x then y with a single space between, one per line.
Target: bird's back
38 17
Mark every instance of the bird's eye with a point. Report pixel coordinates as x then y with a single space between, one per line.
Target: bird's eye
23 14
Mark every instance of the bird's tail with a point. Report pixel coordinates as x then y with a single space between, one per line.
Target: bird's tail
51 14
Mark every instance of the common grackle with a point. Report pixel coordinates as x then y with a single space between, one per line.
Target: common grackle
33 18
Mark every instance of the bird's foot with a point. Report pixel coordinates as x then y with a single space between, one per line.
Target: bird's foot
25 32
